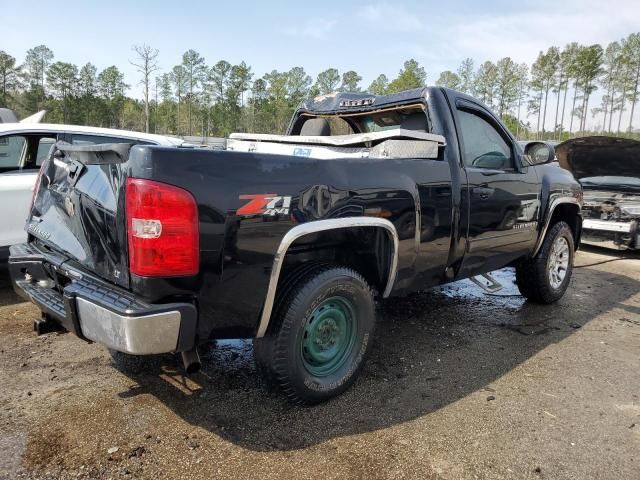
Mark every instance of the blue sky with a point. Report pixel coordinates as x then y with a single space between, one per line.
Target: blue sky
370 37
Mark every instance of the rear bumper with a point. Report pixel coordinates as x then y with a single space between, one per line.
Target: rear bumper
97 311
620 235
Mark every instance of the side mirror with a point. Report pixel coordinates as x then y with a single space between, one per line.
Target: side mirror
538 153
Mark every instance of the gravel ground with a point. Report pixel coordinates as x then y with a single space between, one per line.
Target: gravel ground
460 384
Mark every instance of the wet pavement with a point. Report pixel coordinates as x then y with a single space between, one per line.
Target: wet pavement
460 384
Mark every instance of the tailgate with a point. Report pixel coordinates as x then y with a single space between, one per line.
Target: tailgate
79 207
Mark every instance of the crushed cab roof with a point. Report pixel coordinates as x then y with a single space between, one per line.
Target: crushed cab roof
353 102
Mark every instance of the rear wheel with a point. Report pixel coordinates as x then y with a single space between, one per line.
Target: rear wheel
319 337
545 278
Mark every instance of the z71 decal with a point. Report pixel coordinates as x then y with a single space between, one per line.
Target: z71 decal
270 204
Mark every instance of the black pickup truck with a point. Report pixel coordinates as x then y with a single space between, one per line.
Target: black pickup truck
290 239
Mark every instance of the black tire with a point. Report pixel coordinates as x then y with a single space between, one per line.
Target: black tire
281 355
532 276
136 364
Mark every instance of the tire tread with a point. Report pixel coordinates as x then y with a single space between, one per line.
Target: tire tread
270 352
531 275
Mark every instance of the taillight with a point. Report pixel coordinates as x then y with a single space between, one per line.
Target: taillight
162 229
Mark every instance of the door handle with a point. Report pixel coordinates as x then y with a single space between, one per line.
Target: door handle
483 191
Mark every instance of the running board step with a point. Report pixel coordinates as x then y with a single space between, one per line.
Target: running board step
487 283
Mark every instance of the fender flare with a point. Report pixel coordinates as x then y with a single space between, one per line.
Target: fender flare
554 203
318 226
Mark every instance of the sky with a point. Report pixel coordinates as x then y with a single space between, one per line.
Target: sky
371 37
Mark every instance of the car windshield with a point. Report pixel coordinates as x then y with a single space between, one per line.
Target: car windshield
631 182
390 119
377 124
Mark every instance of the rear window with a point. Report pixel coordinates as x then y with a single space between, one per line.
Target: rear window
380 122
408 118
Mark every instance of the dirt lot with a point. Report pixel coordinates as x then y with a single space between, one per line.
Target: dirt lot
460 384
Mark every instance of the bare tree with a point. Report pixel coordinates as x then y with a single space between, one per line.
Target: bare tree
147 64
632 45
466 74
567 58
589 62
523 90
196 73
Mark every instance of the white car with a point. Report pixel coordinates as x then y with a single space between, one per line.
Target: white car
23 146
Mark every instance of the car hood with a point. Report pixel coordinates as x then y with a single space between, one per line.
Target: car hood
600 156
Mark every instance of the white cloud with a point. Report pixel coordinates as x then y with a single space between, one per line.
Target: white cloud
491 33
391 18
315 29
522 35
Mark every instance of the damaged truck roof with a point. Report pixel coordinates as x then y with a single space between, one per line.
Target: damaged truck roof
338 101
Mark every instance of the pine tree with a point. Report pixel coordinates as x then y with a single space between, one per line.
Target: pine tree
448 79
411 76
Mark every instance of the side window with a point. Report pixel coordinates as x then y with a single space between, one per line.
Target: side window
44 146
12 150
484 147
82 139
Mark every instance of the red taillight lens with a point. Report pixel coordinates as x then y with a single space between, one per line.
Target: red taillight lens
162 229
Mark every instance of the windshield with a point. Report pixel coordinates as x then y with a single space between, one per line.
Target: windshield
379 123
409 117
631 182
412 119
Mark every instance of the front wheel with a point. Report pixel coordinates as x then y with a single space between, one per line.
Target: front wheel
320 335
545 278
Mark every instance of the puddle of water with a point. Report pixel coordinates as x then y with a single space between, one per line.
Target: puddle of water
234 344
239 352
466 288
231 352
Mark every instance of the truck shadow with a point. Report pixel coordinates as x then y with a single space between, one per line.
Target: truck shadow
612 255
7 295
431 349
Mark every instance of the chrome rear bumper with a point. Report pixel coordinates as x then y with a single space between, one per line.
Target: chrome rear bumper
97 311
141 335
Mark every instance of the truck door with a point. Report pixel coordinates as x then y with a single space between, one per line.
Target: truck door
502 192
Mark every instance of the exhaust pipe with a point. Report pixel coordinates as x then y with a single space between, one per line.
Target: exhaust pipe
191 361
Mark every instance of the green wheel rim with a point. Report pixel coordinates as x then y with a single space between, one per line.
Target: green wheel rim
329 336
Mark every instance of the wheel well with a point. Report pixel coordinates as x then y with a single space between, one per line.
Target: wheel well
569 213
367 250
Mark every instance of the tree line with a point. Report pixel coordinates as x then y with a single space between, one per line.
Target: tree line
557 88
194 98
